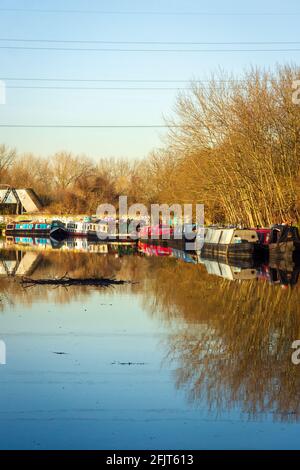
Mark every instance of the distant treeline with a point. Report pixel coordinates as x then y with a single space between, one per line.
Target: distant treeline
232 145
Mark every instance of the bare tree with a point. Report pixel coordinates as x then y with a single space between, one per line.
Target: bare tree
68 169
7 157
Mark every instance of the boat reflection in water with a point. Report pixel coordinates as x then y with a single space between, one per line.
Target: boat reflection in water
281 272
165 250
240 271
82 245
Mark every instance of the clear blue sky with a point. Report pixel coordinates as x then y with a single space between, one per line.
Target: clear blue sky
123 107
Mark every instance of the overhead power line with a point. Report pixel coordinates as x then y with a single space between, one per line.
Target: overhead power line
20 87
189 43
89 49
146 13
114 80
71 126
199 84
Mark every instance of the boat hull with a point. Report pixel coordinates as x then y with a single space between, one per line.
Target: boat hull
76 234
241 250
34 233
58 233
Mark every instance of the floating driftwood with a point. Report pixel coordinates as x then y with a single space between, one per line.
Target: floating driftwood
67 281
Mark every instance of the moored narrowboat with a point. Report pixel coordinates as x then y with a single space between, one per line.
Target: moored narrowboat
58 230
284 242
98 231
156 232
87 229
281 241
264 236
28 227
76 229
230 242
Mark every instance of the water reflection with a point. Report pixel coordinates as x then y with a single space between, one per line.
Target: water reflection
230 328
20 256
232 341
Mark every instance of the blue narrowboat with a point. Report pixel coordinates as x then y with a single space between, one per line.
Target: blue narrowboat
28 227
56 229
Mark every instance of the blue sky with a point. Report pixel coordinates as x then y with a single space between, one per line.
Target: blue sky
123 107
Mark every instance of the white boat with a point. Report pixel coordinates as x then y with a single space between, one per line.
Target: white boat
230 241
98 230
87 229
77 228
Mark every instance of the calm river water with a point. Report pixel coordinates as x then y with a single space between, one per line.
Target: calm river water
190 355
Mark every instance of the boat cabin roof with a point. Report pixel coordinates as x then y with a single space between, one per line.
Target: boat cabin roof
227 236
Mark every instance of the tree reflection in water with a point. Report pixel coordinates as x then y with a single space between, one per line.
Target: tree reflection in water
233 341
230 341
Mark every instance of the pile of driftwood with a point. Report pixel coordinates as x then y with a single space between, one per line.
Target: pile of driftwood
67 281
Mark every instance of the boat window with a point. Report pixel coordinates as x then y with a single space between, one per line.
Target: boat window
227 236
208 236
216 236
